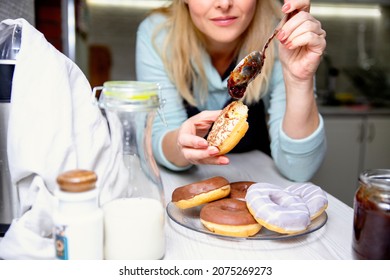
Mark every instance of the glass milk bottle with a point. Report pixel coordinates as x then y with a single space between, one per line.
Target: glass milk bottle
134 223
78 221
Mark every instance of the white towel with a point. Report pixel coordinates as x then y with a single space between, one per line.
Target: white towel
54 126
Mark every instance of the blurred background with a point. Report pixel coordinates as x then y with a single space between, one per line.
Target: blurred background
353 80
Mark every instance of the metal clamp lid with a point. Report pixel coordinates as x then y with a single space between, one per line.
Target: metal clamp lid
130 96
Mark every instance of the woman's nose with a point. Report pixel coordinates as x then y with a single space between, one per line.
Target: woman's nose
224 4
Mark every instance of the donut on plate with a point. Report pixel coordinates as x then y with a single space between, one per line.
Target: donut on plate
201 192
314 197
277 209
229 217
238 189
229 127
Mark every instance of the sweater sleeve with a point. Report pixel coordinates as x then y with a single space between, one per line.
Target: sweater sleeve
297 159
150 68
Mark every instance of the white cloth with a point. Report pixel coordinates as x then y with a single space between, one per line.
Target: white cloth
54 126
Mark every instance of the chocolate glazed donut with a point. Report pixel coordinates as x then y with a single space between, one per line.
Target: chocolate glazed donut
238 189
201 192
230 217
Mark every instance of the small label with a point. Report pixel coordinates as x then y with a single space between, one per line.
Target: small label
61 243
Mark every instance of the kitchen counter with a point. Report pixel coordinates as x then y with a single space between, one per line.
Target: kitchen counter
353 110
332 241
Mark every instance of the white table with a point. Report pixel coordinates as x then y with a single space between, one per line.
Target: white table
332 241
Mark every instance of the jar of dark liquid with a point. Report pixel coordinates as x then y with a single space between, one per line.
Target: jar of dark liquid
371 225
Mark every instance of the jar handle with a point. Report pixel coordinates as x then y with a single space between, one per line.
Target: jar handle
160 110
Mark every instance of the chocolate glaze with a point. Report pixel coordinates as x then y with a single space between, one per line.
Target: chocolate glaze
191 190
238 80
227 211
371 239
236 91
238 189
251 65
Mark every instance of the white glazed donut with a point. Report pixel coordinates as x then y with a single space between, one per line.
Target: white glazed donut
277 209
314 197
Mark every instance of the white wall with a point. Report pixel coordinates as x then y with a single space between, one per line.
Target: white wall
116 28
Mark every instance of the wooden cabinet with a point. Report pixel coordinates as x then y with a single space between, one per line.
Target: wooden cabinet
355 143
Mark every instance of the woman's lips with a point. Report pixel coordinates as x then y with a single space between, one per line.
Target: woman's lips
224 21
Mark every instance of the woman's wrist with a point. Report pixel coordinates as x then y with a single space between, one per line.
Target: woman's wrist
171 149
301 116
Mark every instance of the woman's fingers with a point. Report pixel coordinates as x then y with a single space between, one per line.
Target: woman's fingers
304 32
292 5
193 130
187 140
204 156
301 23
194 148
303 43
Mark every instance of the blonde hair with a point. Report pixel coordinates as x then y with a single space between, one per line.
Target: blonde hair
183 47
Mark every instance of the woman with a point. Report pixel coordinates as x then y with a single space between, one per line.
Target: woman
191 47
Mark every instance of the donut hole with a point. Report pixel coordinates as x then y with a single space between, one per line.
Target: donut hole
227 211
228 208
314 197
281 199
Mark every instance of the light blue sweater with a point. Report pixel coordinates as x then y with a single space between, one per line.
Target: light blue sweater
298 160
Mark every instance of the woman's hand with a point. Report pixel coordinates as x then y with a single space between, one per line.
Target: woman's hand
302 45
302 41
187 145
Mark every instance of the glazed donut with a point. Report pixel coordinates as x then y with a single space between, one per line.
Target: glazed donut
201 192
238 189
277 209
230 217
314 197
229 127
